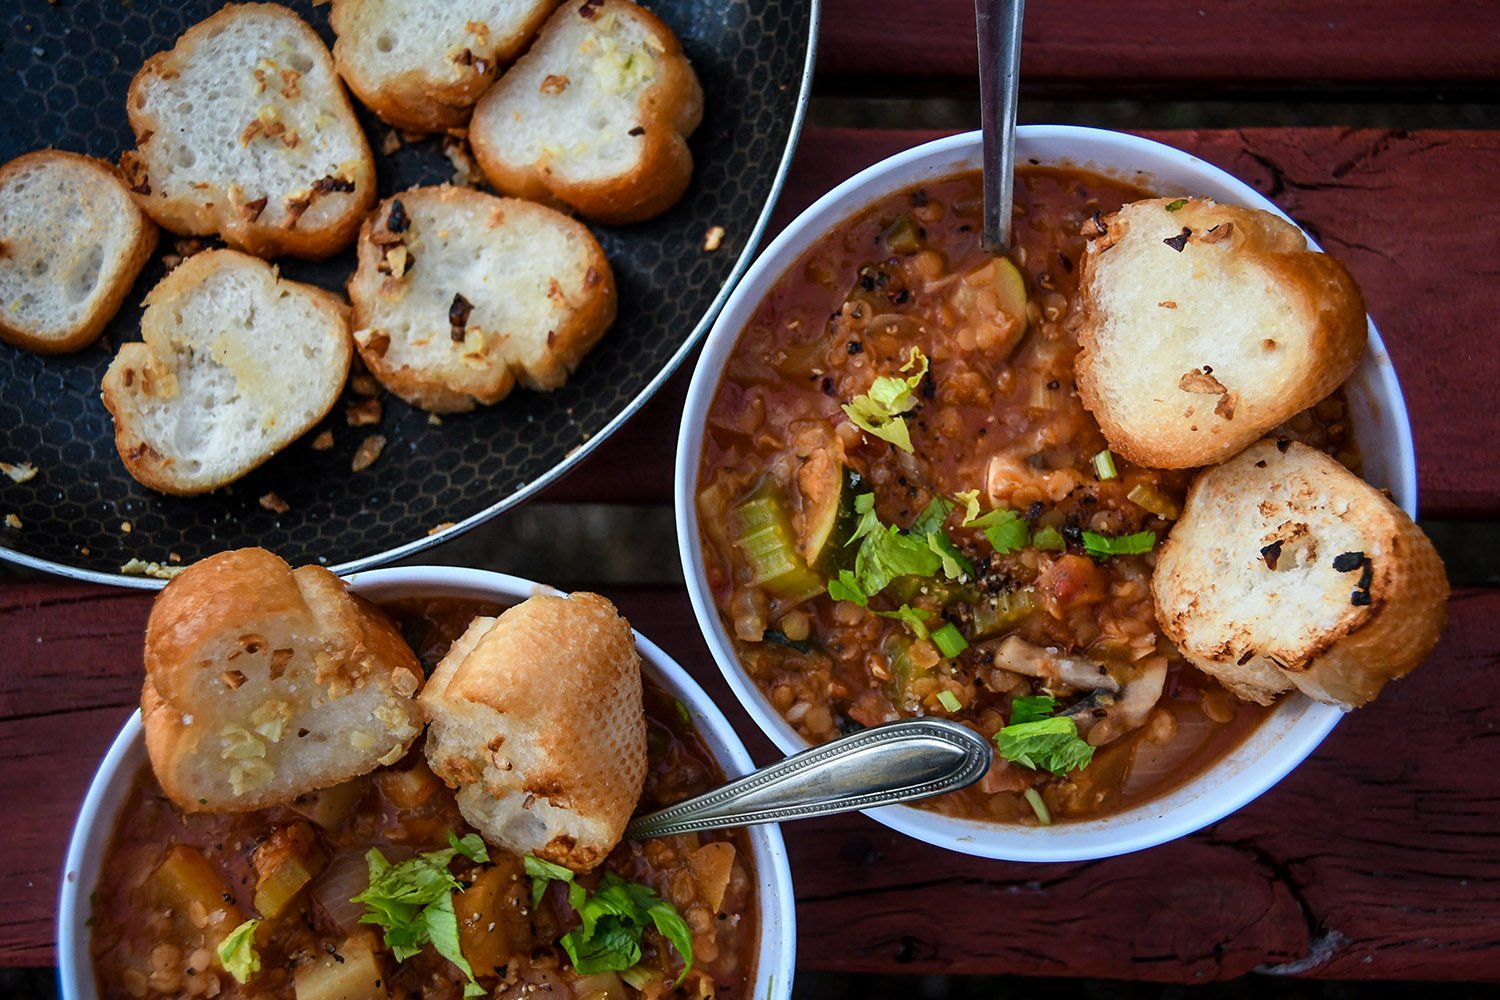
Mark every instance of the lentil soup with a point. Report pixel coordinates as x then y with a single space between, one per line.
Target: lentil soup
177 884
905 510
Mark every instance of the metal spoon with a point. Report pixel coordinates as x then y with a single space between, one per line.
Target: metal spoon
999 24
894 762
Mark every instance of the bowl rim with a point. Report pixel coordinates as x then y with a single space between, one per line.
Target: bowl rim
1149 825
776 917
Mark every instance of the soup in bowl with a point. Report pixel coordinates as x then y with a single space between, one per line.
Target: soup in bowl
880 385
154 895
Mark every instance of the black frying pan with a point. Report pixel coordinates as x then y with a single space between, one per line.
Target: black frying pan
66 69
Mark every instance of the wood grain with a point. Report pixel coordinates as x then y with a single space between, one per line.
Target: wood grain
1373 860
1102 48
1405 211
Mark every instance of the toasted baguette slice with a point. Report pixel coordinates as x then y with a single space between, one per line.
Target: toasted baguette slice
235 364
596 115
71 244
536 719
459 294
421 64
243 130
264 683
1287 569
1204 326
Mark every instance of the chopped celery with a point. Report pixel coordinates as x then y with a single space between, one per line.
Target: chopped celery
949 641
1150 498
1104 465
763 533
902 236
949 700
999 614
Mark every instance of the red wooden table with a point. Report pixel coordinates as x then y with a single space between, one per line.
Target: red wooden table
1375 859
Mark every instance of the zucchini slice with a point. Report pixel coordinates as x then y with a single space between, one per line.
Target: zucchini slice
828 490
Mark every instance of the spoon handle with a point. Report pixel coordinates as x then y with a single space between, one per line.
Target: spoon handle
999 26
895 762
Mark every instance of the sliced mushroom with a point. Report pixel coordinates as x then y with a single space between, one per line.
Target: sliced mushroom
1059 673
1105 716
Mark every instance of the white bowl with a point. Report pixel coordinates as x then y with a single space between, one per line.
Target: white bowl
1296 726
776 920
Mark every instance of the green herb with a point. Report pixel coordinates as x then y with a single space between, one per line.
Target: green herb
1009 536
612 917
1034 799
1104 465
878 411
886 554
413 902
1103 546
237 952
1175 205
970 500
949 700
1045 744
1031 707
1048 538
682 709
869 521
913 618
846 588
949 641
932 517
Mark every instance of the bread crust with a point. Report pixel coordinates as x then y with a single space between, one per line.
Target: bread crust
536 719
1169 422
434 98
1247 588
250 661
668 111
230 211
148 460
116 280
481 369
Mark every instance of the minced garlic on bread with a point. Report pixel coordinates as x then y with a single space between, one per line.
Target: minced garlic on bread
460 294
264 683
1202 326
235 364
596 115
536 720
421 64
243 131
1286 569
71 244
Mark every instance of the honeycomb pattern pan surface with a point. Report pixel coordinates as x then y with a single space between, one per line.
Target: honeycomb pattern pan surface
67 67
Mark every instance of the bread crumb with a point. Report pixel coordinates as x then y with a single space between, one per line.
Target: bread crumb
554 84
390 143
126 527
140 567
21 472
466 171
713 239
174 557
1200 381
12 521
441 527
433 420
323 441
363 413
272 501
364 385
1168 304
369 450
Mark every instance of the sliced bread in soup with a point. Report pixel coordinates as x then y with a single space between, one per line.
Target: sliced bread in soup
264 683
596 115
421 64
72 242
243 131
1287 570
459 295
1202 326
235 364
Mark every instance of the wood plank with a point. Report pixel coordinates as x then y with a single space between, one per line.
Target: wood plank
1400 209
1374 860
1099 47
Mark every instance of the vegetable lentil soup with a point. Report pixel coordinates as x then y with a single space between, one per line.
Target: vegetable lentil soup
178 886
905 510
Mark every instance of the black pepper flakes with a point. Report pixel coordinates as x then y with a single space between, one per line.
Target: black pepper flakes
1271 553
827 386
919 198
1348 562
637 131
1034 511
1065 261
397 221
1179 241
458 316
